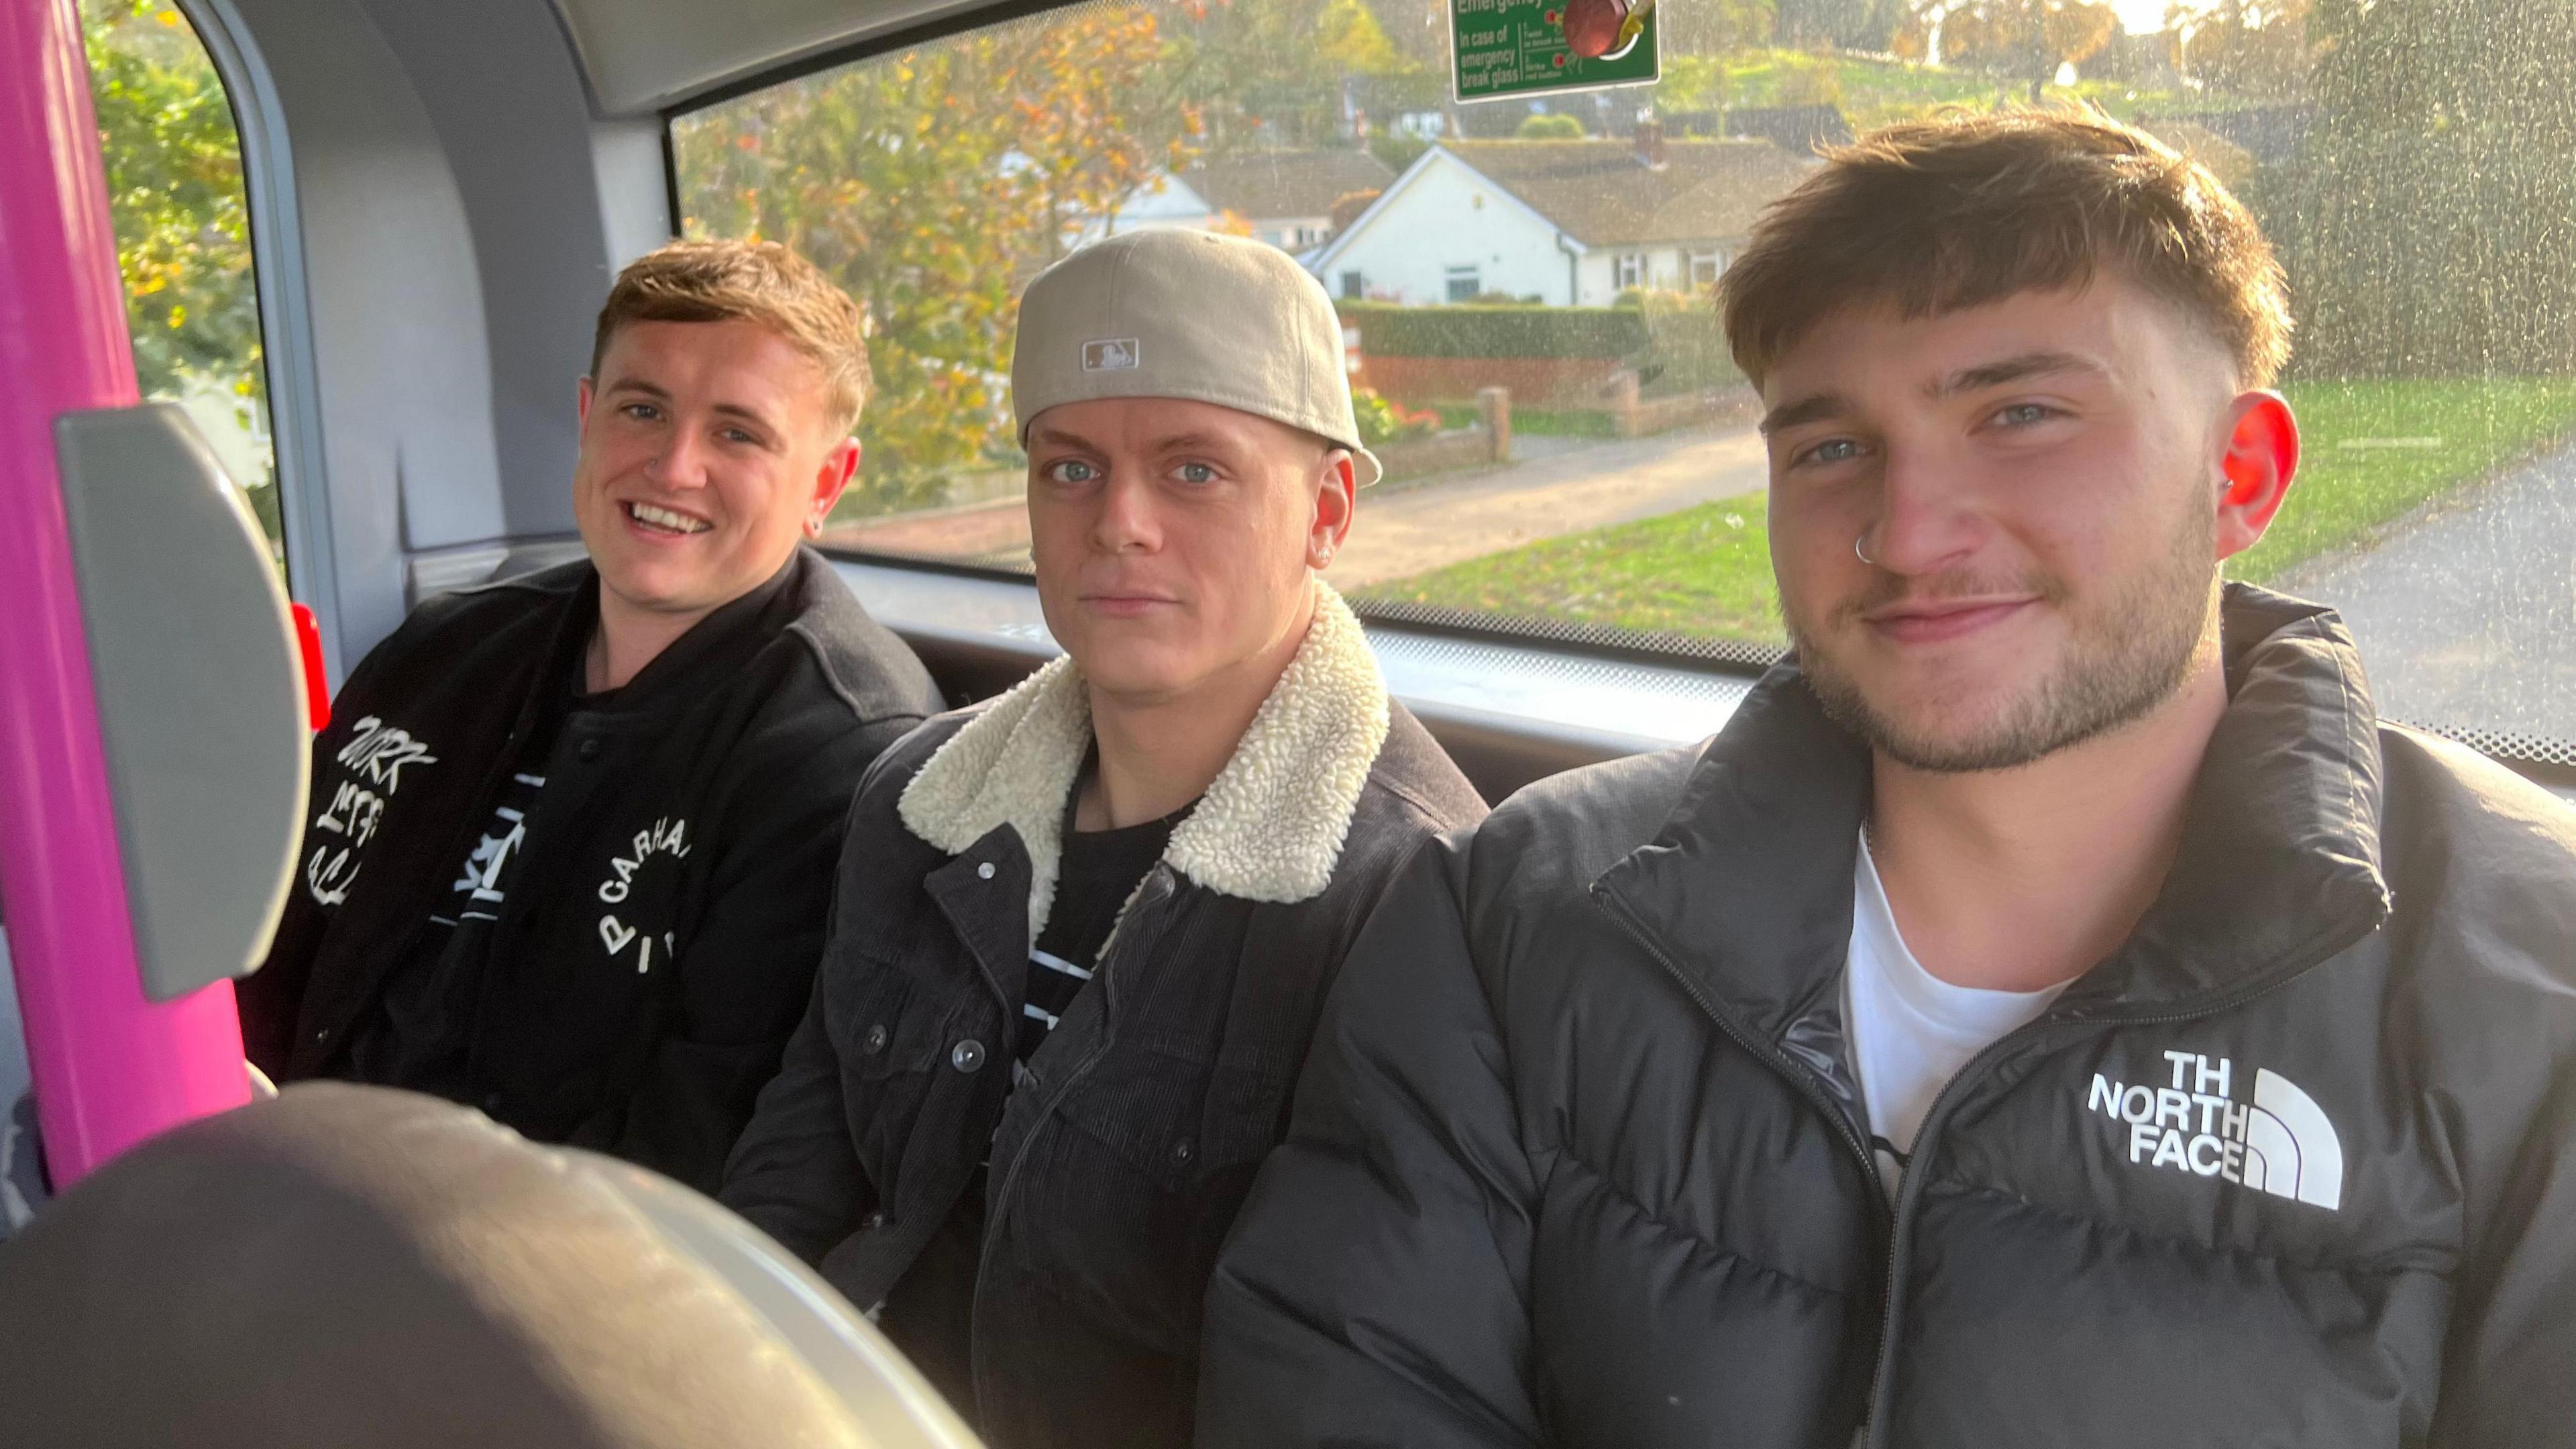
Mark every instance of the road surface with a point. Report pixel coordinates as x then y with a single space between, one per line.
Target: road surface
2467 617
1557 486
1438 521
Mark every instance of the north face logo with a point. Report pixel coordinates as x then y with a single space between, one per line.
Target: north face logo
2280 1142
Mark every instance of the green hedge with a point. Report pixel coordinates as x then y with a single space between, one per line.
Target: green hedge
1689 344
1391 331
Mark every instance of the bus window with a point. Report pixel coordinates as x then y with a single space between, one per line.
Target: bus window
1525 284
174 183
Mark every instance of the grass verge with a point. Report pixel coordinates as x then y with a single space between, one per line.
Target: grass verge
1703 571
1547 422
2376 451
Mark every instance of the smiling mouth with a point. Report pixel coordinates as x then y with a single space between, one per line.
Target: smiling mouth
1931 623
665 520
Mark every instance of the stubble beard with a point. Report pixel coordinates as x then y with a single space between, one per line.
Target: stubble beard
2126 654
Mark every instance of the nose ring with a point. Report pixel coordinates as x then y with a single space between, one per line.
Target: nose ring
1856 551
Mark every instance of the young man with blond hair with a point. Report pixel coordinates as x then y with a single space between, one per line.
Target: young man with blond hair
1083 930
573 833
2055 1010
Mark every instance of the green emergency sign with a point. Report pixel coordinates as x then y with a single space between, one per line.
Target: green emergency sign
1517 48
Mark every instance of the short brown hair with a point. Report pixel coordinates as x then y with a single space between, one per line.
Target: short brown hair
741 281
1934 216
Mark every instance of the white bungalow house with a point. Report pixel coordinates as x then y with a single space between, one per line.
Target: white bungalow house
1569 223
1284 197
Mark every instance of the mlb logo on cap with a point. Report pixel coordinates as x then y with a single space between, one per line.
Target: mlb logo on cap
1109 354
1197 316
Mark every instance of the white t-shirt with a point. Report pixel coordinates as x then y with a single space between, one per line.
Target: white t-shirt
1910 1031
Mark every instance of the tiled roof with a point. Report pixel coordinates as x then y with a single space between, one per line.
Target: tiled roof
1261 184
1601 194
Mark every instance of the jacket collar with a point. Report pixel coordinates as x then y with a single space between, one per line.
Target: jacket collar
1748 886
717 642
1269 828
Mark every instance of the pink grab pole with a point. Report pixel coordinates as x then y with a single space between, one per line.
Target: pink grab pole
111 1068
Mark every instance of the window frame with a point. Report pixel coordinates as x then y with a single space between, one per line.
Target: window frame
2550 763
285 314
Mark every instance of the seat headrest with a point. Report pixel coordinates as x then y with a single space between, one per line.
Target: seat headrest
349 1265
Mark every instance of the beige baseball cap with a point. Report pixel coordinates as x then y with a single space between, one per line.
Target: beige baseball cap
1201 315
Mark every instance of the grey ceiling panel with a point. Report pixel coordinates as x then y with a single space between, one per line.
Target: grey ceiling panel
645 55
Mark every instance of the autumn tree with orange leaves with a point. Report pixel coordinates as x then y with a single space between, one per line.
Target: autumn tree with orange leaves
933 185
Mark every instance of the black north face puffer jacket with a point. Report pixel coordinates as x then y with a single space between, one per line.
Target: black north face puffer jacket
1575 1159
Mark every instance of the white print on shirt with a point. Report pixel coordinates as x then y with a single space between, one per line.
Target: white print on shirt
2281 1142
481 878
666 837
378 752
353 813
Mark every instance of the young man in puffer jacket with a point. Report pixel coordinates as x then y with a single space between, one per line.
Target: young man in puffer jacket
1083 931
2055 1010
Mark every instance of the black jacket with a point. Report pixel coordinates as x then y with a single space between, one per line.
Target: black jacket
697 818
1576 1161
1118 1162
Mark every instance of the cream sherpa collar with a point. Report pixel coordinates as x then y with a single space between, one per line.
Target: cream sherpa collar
1269 828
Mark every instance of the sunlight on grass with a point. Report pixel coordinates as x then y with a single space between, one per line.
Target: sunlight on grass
1703 571
2376 451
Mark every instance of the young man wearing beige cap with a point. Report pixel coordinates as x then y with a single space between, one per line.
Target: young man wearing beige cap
1082 931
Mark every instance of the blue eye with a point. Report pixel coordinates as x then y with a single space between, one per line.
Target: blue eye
1072 470
1195 473
1831 450
2023 414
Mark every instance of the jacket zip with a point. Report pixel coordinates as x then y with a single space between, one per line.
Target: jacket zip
1155 882
1798 1077
2338 941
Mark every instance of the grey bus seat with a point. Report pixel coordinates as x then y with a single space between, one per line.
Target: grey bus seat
349 1265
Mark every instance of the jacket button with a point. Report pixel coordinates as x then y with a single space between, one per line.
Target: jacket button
984 871
871 1222
1182 1151
967 1056
876 1040
322 1036
588 749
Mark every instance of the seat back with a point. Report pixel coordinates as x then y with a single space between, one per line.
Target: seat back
350 1265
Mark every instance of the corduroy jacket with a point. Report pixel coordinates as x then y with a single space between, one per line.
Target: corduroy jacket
1119 1155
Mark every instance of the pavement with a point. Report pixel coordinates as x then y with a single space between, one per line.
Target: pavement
2466 616
1568 489
1554 486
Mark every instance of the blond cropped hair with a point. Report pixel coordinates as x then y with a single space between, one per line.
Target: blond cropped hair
739 281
